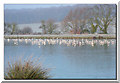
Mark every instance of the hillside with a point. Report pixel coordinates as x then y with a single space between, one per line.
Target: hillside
25 16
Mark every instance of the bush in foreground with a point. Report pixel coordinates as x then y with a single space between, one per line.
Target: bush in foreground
27 70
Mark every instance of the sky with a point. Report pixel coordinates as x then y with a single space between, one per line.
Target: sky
32 6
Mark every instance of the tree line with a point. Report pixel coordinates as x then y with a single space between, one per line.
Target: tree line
90 19
96 19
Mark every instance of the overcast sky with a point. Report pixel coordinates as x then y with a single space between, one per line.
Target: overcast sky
32 6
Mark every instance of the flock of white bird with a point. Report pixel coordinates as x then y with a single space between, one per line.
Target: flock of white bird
68 42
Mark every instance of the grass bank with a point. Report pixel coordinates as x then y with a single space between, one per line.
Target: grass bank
64 36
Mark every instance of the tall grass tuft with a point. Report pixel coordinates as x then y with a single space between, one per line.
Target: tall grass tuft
26 70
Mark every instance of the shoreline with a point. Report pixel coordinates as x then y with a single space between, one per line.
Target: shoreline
63 36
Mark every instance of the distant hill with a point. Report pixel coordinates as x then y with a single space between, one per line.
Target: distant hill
24 16
27 16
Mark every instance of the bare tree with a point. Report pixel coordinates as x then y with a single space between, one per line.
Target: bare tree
105 15
7 28
76 20
51 26
10 28
93 25
14 26
43 26
48 26
27 30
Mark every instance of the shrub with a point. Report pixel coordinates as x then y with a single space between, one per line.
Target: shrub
26 70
